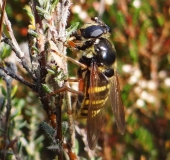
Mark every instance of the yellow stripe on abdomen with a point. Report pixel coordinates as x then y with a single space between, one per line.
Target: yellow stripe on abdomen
98 89
97 102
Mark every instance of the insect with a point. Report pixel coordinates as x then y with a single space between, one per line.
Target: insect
99 81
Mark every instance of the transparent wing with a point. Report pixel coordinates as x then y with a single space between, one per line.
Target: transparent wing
95 115
116 103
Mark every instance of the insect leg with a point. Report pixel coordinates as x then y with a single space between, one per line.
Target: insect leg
63 89
69 59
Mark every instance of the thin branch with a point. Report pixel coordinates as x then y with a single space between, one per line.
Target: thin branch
7 141
63 12
18 78
8 81
70 117
15 46
2 17
23 61
56 33
19 53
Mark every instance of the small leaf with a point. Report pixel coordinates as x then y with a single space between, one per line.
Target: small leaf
14 90
2 102
41 11
19 147
3 91
5 51
46 88
72 29
32 33
64 127
35 49
55 147
50 71
39 139
53 5
31 16
48 129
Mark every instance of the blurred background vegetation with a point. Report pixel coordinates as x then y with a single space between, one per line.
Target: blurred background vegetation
141 35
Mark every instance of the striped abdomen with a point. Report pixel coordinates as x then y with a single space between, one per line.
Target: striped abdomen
94 96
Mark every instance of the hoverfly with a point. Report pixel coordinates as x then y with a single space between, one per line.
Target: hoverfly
98 81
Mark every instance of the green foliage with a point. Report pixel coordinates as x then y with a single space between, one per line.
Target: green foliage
48 130
145 138
141 37
46 88
3 90
5 51
31 16
72 29
14 90
64 127
20 118
46 8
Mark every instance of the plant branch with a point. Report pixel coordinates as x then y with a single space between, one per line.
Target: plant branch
8 142
8 81
22 59
2 17
19 53
9 72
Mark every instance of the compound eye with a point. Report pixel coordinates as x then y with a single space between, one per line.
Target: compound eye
109 72
93 31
